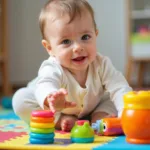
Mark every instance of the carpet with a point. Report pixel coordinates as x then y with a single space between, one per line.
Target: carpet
14 134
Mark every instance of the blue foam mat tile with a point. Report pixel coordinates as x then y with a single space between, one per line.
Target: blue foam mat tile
120 143
9 115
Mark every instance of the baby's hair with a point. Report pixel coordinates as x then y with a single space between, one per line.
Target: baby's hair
71 7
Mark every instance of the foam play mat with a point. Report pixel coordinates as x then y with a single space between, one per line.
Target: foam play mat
14 134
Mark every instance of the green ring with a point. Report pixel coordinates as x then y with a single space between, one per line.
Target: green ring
39 130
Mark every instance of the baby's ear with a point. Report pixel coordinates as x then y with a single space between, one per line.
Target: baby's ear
46 46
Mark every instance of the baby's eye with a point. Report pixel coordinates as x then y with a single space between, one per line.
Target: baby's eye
67 41
85 37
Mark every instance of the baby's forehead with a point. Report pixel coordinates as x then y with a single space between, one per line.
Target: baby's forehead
55 14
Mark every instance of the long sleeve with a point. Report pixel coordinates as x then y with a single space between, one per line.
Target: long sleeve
49 80
114 83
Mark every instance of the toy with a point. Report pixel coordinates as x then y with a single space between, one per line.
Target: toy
6 102
38 130
43 114
82 132
42 127
40 119
41 141
136 117
108 126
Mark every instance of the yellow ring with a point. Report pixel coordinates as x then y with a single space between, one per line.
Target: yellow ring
41 125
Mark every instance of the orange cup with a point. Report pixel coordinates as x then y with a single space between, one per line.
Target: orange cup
135 118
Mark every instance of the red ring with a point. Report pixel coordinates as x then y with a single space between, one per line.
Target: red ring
42 113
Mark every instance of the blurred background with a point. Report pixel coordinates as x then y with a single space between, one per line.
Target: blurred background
124 36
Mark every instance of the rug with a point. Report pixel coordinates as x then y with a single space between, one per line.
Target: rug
14 134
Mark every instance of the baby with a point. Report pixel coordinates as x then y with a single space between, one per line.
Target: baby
75 82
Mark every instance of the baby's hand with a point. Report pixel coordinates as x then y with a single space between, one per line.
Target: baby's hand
57 101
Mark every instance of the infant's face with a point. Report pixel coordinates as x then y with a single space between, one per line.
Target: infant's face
73 44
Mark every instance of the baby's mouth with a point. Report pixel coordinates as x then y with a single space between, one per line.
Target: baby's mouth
79 58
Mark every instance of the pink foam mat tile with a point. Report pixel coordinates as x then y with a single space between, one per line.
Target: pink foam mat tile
10 135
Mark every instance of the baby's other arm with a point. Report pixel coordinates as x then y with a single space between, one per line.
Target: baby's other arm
114 83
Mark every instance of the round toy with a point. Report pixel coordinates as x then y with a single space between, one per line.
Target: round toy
41 125
42 120
41 136
82 132
136 117
38 130
41 141
42 113
6 102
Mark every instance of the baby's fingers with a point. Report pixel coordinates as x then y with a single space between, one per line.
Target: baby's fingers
69 104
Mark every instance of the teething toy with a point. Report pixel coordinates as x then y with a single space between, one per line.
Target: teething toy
42 127
82 132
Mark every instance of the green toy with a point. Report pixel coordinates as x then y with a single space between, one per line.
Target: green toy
82 132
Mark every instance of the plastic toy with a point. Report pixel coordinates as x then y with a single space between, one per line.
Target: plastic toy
108 126
41 141
43 114
136 117
42 136
6 102
38 130
82 132
42 120
42 127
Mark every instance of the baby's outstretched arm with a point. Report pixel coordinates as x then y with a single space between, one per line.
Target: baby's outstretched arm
57 101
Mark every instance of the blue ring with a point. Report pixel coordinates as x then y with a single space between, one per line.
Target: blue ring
41 136
82 140
41 141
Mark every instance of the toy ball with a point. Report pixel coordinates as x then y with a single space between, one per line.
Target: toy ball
6 102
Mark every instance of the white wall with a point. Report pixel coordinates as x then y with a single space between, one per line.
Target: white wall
110 18
26 52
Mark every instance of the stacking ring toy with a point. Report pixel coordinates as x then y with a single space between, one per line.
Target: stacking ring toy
41 136
41 125
42 113
42 120
38 130
41 141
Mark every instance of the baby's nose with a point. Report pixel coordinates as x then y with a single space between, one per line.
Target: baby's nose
77 48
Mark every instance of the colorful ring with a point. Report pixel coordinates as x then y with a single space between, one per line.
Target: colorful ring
41 125
38 130
42 120
42 113
41 141
41 136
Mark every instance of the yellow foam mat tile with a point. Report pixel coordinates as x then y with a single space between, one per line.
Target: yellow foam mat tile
22 142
